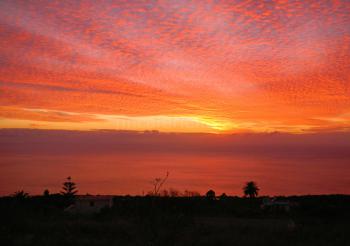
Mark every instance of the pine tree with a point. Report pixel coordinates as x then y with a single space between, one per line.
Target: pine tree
69 188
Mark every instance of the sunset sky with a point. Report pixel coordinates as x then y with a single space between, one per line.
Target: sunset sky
176 66
117 93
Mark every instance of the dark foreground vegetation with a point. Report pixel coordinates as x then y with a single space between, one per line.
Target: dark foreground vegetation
40 220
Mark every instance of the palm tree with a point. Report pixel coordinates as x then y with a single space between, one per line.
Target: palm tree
251 189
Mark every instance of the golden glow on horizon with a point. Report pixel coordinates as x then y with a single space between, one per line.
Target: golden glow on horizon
161 123
121 122
201 66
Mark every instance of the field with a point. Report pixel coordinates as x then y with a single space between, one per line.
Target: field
316 220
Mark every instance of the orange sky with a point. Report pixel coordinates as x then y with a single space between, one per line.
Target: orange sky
125 162
180 66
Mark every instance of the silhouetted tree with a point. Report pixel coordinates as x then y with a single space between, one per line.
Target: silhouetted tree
188 193
223 196
251 189
210 195
174 192
69 188
164 193
158 183
46 193
20 194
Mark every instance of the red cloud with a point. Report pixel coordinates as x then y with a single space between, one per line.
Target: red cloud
282 63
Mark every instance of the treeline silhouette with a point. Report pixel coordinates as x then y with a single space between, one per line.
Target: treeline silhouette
69 191
165 220
173 218
190 203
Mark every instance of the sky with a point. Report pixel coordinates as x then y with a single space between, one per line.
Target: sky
117 93
176 66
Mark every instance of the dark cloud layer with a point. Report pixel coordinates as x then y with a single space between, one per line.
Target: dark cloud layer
322 145
112 162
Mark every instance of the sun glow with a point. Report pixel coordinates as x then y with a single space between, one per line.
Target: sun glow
53 119
216 124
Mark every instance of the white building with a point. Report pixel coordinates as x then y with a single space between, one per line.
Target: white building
90 204
273 203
